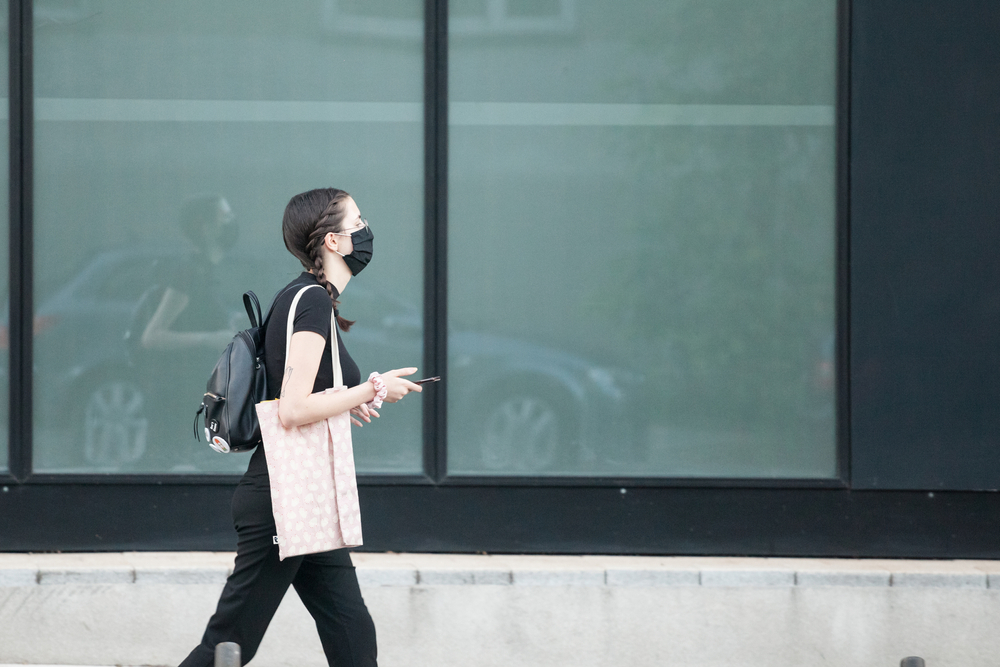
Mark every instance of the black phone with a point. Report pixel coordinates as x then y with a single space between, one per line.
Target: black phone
426 380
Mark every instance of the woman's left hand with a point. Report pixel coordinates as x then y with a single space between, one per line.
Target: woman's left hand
362 412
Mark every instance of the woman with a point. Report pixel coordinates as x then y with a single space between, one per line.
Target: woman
325 231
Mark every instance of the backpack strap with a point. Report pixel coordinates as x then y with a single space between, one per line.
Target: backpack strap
250 302
270 309
338 375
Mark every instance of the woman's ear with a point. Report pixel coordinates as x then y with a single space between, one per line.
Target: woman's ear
330 241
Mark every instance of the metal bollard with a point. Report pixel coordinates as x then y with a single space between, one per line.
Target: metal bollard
227 654
912 661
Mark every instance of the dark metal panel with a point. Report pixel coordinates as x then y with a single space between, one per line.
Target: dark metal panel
115 517
435 419
21 117
727 522
659 521
925 280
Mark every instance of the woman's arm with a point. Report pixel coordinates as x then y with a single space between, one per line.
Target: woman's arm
300 406
158 335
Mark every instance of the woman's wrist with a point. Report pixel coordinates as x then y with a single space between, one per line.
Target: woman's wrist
380 391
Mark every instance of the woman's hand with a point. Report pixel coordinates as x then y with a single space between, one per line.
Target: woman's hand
396 387
363 412
299 405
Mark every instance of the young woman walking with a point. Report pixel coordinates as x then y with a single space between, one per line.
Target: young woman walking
325 231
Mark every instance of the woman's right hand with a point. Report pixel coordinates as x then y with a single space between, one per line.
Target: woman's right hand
396 387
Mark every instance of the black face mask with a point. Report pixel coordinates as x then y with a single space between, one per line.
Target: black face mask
362 254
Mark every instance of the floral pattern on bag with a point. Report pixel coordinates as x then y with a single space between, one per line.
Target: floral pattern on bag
314 489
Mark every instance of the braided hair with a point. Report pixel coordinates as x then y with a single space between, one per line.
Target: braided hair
308 218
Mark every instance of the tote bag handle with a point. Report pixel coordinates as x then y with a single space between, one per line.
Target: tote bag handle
338 374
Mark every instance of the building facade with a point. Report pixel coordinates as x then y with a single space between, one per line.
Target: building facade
699 277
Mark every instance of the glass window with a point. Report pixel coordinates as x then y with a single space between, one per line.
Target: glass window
641 238
4 254
156 122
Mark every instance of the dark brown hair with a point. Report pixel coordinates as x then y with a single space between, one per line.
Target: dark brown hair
308 218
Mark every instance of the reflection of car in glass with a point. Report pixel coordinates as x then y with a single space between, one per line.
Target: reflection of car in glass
514 406
89 387
81 366
527 408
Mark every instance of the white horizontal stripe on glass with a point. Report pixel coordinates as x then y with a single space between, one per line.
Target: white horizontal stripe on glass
460 113
225 111
508 113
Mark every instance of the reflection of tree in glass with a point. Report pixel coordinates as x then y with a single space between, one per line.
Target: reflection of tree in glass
732 275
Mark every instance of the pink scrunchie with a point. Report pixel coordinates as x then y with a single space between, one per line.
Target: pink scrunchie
380 391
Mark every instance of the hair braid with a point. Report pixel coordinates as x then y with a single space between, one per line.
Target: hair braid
329 221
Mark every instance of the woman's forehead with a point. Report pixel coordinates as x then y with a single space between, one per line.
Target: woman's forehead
352 208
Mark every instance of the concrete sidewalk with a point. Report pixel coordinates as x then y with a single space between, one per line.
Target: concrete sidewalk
523 611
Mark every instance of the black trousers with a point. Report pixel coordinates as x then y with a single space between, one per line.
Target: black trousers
326 583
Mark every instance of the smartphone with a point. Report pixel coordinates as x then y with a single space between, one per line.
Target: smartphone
426 380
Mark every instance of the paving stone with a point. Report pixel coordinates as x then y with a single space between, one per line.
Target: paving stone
557 577
96 575
738 578
181 575
22 576
651 577
453 577
377 576
940 579
842 578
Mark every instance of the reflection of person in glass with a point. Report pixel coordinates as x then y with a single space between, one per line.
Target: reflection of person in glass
188 314
182 323
325 231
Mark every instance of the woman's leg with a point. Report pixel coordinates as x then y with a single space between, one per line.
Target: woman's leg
328 586
255 588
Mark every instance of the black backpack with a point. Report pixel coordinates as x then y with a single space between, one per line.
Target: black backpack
237 384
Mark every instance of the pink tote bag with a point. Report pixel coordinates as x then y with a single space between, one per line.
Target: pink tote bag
314 489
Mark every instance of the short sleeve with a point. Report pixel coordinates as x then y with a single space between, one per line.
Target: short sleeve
313 312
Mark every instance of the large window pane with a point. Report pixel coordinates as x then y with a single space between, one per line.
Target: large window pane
157 123
4 254
641 230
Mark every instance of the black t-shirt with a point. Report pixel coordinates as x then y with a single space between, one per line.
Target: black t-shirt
205 310
311 314
177 374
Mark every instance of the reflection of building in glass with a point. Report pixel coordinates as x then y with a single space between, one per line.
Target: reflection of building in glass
495 18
